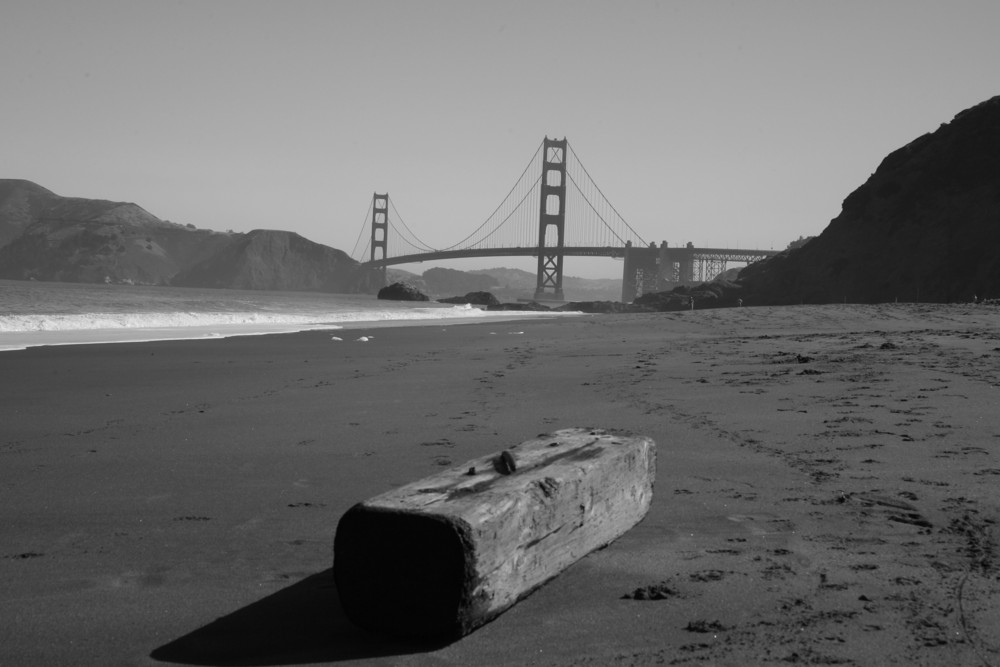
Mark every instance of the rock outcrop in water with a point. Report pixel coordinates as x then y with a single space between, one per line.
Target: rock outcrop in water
473 298
924 227
401 292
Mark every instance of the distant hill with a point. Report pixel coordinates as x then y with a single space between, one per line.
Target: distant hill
505 283
70 239
924 227
452 282
21 202
44 236
273 260
517 283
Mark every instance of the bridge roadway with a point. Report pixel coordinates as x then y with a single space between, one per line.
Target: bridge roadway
713 254
572 251
646 269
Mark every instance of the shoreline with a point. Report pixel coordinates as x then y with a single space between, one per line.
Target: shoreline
826 487
11 341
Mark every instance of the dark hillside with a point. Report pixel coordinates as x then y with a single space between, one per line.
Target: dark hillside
924 227
73 239
276 260
21 202
47 237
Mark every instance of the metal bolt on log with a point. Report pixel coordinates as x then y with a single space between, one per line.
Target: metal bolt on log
441 556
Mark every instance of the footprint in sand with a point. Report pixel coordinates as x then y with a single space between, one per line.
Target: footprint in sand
755 523
660 591
705 626
443 442
896 510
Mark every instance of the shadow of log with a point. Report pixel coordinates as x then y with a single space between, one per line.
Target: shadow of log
303 623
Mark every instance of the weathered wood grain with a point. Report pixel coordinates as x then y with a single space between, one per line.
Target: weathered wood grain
446 554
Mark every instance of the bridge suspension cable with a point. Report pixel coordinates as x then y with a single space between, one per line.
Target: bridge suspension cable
401 238
515 206
513 223
364 228
416 242
591 219
585 230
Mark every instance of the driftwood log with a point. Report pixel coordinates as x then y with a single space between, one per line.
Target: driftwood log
442 556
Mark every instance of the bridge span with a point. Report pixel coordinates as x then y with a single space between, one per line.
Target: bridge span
493 252
532 222
647 268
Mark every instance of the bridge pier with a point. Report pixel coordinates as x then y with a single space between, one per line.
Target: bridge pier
551 213
657 269
636 268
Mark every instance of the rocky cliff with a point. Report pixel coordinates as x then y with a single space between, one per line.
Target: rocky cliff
47 237
277 260
21 203
924 227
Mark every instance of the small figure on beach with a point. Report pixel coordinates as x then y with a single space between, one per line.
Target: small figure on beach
739 303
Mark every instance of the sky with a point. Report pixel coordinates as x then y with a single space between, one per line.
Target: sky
726 124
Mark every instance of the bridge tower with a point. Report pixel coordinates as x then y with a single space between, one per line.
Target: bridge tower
552 213
380 228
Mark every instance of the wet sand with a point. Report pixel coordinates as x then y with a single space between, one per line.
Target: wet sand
827 492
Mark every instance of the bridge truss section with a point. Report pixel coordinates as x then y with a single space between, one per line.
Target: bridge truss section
660 268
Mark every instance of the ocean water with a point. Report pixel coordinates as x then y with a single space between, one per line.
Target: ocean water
40 313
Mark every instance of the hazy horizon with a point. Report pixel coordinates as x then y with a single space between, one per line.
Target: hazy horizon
740 125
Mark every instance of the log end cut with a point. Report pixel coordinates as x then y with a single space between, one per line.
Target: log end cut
400 572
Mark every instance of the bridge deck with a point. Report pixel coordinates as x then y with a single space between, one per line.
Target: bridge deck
725 254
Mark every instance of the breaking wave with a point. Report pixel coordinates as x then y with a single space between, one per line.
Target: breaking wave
166 320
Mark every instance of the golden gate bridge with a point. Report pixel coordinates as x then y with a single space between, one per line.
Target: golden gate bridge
531 221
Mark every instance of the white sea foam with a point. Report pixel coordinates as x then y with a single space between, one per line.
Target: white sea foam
166 320
33 314
18 332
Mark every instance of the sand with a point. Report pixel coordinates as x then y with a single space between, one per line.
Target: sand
827 487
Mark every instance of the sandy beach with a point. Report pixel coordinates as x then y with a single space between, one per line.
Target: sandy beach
827 487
